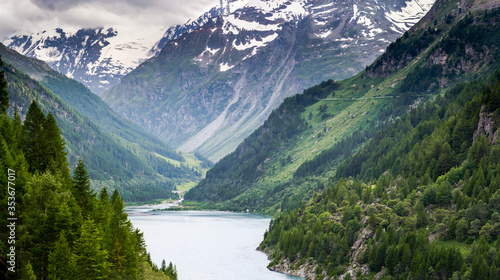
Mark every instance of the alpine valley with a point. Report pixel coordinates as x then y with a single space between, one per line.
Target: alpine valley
211 87
387 166
212 81
118 153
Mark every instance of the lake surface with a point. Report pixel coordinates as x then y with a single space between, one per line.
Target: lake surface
207 245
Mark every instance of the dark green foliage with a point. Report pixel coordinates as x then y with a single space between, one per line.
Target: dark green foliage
34 138
81 188
458 200
91 106
64 231
61 261
422 79
91 258
332 156
169 271
139 174
55 151
120 242
399 53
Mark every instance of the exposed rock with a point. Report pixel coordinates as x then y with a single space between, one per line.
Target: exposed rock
306 270
485 126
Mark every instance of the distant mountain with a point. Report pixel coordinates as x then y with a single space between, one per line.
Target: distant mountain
98 57
212 86
117 153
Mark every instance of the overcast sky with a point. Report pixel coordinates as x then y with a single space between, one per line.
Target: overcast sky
39 15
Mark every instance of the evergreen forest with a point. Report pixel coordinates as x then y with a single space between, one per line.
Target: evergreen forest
421 200
59 228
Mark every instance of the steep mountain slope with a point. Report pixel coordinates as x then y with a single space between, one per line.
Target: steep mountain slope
98 58
112 161
432 214
211 87
283 162
86 103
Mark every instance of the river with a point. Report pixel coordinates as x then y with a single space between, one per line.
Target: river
206 245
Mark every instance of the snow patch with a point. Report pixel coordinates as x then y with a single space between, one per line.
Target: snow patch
409 15
225 66
254 43
250 25
324 34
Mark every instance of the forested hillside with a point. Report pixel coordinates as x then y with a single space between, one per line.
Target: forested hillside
272 174
82 100
120 154
139 173
422 199
58 228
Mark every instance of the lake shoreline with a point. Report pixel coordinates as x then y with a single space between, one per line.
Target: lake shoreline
219 244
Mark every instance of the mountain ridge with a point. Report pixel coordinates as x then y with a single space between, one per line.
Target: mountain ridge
285 172
242 65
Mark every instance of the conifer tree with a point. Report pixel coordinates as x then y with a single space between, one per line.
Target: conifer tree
4 94
103 208
81 189
91 258
121 243
34 143
17 131
61 261
55 148
28 273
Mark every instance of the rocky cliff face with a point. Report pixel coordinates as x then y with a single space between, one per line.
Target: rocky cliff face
211 87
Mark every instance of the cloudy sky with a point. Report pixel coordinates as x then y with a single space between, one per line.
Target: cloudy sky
39 15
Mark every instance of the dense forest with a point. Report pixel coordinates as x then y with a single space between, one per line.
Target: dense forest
420 201
54 225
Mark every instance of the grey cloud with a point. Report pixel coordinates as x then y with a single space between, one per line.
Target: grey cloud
38 15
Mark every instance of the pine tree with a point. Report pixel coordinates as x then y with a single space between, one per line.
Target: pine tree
4 94
120 241
17 131
81 188
28 273
421 216
102 212
34 145
61 261
91 258
55 148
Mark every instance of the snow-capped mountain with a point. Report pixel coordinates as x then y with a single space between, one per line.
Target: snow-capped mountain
212 86
99 57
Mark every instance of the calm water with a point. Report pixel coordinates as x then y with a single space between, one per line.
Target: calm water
207 245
